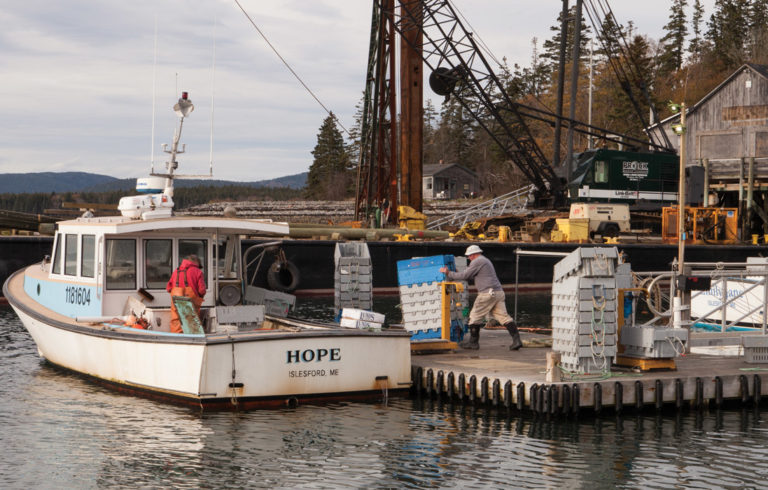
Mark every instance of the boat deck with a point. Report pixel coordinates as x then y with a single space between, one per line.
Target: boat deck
496 376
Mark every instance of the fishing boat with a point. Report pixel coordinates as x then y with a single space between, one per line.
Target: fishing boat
98 306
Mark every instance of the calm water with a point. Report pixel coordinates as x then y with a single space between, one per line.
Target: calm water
59 431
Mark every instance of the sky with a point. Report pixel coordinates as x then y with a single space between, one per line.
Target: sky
83 82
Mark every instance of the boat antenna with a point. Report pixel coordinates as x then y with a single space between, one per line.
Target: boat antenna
182 109
154 86
213 85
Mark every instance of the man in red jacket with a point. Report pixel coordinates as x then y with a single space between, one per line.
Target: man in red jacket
187 280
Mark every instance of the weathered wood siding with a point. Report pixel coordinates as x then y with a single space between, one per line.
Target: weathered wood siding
728 127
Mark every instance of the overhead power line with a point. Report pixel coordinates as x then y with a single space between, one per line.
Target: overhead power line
250 19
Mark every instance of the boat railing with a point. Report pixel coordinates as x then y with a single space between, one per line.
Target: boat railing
742 298
738 292
507 203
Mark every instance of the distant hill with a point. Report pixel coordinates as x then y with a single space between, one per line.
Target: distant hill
88 182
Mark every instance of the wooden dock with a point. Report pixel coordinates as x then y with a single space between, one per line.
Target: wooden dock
516 380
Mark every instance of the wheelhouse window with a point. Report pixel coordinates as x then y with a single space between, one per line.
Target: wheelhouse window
88 248
57 255
601 172
70 255
158 257
197 247
121 264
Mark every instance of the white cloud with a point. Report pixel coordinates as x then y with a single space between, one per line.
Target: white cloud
76 77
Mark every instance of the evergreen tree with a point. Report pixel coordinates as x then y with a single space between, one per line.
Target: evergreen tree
330 175
355 133
551 46
728 32
457 127
695 46
611 41
621 115
672 43
431 125
758 31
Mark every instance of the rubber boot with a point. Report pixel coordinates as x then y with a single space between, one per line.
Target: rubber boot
473 342
512 329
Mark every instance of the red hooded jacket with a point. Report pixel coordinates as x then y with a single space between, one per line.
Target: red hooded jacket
194 277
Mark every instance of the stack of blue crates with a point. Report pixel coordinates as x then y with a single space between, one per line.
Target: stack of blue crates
420 287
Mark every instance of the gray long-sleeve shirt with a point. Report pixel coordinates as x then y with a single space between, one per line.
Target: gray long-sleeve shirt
482 272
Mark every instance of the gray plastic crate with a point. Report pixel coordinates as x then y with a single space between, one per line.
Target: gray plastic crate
755 348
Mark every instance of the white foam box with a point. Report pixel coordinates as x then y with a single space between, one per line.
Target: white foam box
352 323
365 315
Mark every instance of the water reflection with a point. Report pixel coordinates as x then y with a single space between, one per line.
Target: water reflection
62 431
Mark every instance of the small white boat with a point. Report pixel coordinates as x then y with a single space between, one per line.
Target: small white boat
99 306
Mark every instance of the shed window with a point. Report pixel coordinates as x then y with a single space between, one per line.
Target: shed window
70 255
121 264
88 250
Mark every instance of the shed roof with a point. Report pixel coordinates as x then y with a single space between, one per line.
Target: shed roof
436 168
761 70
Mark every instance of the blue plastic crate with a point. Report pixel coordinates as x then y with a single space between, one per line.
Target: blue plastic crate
458 329
423 269
432 333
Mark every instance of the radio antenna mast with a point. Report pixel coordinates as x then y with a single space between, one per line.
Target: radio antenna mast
213 84
154 86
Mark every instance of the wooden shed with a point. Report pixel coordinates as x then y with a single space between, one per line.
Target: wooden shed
727 135
448 181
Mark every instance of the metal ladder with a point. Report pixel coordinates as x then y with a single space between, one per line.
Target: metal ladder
512 201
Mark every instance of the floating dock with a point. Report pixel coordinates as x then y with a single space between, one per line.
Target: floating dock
496 377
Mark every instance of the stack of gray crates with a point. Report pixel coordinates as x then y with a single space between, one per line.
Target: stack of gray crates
584 309
646 342
353 277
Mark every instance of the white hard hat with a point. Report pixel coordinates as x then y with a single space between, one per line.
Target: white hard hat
473 249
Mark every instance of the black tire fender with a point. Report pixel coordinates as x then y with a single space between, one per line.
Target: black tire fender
283 276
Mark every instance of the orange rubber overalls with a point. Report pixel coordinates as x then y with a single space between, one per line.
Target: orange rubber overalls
181 287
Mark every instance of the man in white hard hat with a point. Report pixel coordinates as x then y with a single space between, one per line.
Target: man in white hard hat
490 298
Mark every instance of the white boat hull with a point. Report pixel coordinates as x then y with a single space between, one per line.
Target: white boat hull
241 369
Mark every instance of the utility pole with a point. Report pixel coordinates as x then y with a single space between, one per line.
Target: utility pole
411 103
681 303
560 83
574 89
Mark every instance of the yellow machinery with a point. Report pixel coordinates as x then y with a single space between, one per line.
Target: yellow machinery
410 219
571 230
702 225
